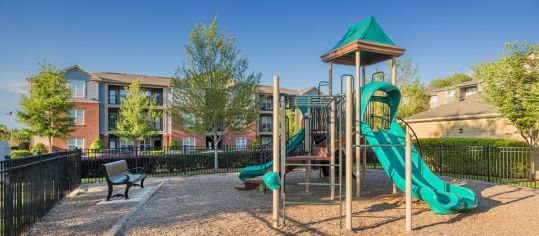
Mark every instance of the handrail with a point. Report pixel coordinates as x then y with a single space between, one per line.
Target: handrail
409 127
378 72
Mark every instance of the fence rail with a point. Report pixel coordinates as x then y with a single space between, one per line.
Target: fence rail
505 165
31 186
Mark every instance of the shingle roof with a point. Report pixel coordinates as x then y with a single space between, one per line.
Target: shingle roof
267 89
123 78
468 106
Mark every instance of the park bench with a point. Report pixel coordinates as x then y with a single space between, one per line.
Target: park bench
117 173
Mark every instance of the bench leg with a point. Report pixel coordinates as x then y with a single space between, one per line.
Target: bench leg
127 190
109 195
142 183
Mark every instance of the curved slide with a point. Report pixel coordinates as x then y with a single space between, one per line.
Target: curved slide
442 197
253 171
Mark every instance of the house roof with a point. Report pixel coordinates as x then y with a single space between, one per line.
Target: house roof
472 105
91 75
460 85
123 78
267 89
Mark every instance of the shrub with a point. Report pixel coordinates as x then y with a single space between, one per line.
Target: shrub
175 145
20 153
39 148
24 145
95 147
255 144
472 142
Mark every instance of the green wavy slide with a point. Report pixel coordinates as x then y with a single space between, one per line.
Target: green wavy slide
253 171
442 197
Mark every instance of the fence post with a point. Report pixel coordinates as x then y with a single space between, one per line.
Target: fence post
8 200
488 162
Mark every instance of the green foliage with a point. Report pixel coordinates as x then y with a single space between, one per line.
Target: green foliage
20 153
44 110
137 115
512 85
95 148
175 144
4 133
24 145
39 148
453 80
255 144
214 87
472 142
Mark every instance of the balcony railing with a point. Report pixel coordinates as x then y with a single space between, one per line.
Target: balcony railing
266 107
266 128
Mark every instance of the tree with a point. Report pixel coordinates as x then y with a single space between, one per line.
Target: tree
44 110
214 87
453 80
512 85
414 98
137 115
4 132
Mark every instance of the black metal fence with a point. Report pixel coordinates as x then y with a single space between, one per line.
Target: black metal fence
31 186
505 165
172 162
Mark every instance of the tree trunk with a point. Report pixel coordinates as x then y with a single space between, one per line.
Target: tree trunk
50 144
215 154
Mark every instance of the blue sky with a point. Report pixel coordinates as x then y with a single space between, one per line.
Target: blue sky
285 38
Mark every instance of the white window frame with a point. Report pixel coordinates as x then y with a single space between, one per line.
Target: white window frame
77 143
126 143
241 142
189 142
450 95
74 86
467 93
269 138
267 102
268 122
74 114
433 101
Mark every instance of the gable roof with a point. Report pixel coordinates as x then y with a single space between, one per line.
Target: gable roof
469 106
91 75
268 89
123 78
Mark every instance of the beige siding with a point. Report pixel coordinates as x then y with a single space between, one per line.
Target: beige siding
466 128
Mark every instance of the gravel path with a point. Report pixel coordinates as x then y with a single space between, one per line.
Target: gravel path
209 205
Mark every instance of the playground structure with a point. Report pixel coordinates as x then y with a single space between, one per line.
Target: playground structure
344 125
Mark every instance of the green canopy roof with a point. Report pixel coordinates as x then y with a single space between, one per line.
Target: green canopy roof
367 30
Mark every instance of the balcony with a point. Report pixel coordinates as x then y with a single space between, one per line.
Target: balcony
266 128
266 107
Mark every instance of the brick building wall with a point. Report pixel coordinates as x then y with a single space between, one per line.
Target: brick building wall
89 130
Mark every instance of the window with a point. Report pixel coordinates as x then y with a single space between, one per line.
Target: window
449 96
158 98
75 143
77 88
158 123
113 119
146 144
188 120
189 142
123 95
266 104
470 91
77 115
113 96
265 124
126 144
112 144
241 142
433 101
266 140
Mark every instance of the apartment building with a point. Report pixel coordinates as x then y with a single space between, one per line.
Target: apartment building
460 112
97 97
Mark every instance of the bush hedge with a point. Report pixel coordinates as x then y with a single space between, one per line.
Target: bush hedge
472 142
39 148
20 153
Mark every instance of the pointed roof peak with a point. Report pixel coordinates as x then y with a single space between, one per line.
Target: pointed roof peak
367 29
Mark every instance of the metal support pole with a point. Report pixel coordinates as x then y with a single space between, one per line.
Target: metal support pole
332 135
357 124
394 82
275 148
408 176
283 157
348 137
364 167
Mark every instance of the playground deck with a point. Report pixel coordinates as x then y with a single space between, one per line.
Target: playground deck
209 205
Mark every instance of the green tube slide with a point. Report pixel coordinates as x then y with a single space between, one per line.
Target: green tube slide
253 171
442 197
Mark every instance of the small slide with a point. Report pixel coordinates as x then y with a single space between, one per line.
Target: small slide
442 197
253 171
